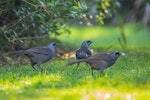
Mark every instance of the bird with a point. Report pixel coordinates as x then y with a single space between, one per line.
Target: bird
99 61
83 52
38 55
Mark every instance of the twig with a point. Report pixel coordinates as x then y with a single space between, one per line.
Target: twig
30 3
25 38
44 6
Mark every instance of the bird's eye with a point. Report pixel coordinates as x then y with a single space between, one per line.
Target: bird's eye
117 53
88 41
54 44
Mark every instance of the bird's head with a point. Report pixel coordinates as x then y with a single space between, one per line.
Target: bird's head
115 54
52 45
86 43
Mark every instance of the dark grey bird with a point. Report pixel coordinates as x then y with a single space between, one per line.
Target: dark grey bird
84 51
38 55
99 61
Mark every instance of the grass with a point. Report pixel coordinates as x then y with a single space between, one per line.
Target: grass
105 37
128 79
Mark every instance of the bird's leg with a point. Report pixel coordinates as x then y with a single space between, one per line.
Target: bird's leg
39 67
33 66
101 72
77 66
88 65
92 71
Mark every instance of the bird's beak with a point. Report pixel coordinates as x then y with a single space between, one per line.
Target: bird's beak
57 44
122 53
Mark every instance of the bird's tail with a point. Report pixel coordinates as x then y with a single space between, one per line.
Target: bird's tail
76 61
17 52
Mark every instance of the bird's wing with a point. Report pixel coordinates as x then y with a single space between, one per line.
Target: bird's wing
83 53
80 54
39 50
101 65
104 57
100 61
88 52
